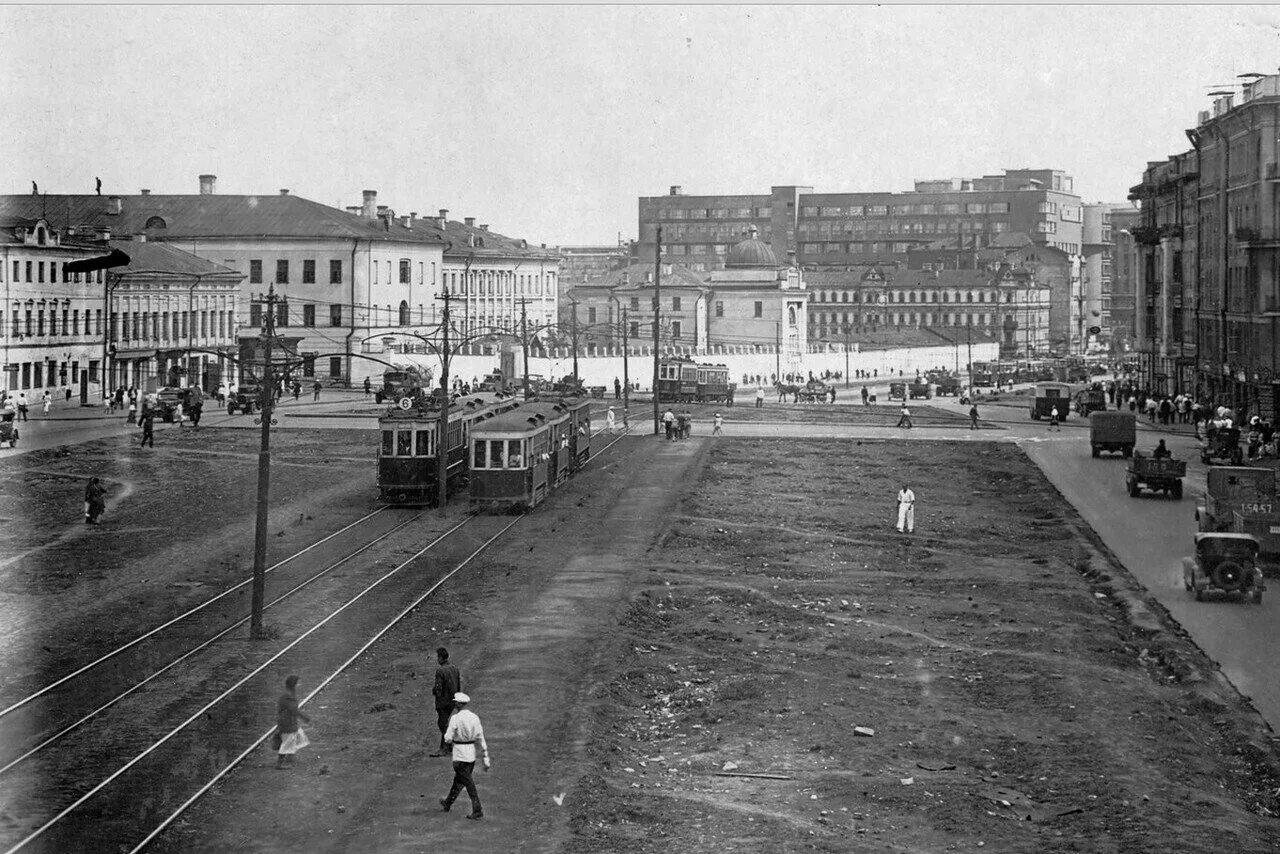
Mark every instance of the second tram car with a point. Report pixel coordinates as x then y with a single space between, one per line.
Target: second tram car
407 463
521 456
682 380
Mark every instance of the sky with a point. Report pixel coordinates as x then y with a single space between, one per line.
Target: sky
548 122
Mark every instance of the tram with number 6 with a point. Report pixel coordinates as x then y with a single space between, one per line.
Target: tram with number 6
520 457
407 461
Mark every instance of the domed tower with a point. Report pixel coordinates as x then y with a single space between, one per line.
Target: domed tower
751 254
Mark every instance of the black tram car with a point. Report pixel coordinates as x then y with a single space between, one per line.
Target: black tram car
407 454
682 380
519 457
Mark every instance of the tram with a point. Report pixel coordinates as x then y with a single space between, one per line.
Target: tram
407 454
682 380
519 457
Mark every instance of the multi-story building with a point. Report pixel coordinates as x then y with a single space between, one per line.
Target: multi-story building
1235 222
617 307
1166 295
840 229
1093 309
757 300
123 326
1124 276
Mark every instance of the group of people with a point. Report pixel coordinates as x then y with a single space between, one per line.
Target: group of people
461 733
21 407
678 427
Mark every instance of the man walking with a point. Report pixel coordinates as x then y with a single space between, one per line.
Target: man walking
866 396
906 510
904 416
717 422
315 390
463 734
759 397
669 424
1053 420
609 421
148 428
448 682
617 389
368 387
973 417
22 405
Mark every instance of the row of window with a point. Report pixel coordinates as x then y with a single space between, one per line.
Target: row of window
36 271
175 326
938 318
712 213
914 209
308 271
32 323
895 226
308 317
42 375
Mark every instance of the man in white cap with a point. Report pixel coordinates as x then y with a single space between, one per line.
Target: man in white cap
463 734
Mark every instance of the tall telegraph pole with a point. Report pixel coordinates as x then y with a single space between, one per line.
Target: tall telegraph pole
442 433
657 311
524 344
266 405
626 377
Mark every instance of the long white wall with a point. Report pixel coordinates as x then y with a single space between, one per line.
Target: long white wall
601 370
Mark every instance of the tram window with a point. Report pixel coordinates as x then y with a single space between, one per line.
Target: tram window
404 443
388 443
424 443
478 457
496 447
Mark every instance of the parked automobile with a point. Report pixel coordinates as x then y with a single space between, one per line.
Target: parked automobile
1224 562
243 399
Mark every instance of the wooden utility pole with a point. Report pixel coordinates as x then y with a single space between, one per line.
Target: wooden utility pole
657 311
266 405
576 380
777 349
626 375
524 344
442 433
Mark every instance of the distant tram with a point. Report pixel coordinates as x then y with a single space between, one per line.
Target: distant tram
519 457
682 380
407 454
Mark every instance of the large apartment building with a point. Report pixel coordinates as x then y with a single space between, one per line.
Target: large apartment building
841 229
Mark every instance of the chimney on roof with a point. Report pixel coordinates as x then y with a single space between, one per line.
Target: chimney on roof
141 238
114 205
470 221
484 228
966 185
444 214
284 192
413 216
676 190
145 192
370 209
104 233
406 221
382 210
353 209
207 184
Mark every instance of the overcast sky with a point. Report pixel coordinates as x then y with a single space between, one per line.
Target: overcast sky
549 122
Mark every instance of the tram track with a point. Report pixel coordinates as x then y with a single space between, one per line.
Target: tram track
107 811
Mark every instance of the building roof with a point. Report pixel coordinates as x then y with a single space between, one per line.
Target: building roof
149 257
632 278
752 253
1010 240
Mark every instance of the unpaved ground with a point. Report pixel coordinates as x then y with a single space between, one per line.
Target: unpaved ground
846 410
1012 704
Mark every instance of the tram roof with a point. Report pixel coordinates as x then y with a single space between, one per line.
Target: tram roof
532 416
476 402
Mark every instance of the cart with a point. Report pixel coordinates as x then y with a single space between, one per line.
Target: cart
1158 474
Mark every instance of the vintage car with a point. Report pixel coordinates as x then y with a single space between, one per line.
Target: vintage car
243 399
8 430
897 391
1156 474
920 389
1225 562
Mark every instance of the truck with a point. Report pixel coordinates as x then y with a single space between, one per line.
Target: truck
1089 400
1158 474
1050 396
920 389
1113 432
1263 527
1251 492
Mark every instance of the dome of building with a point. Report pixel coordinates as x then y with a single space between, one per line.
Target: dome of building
751 253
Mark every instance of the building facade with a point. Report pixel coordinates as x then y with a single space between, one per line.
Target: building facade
617 308
759 302
1124 277
841 229
1093 308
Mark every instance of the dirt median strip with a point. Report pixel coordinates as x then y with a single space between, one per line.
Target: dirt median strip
773 627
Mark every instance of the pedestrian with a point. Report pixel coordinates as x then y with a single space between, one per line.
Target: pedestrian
47 400
22 405
833 394
95 503
609 421
178 414
464 732
717 421
68 391
866 396
297 390
682 425
133 413
1053 419
315 389
197 408
669 424
904 416
368 388
148 428
973 417
617 389
759 397
728 398
906 510
291 737
448 683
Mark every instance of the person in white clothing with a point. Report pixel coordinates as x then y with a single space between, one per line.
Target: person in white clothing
609 421
906 510
463 734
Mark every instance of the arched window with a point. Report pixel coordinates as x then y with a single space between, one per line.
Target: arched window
913 296
404 313
42 237
791 315
156 222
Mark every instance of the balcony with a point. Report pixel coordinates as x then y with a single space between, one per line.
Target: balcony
1146 235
